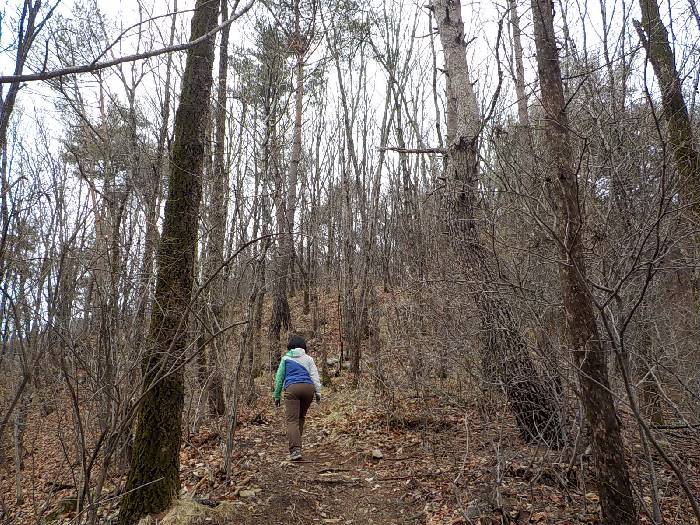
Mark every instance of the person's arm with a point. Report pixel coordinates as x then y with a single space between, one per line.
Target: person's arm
279 379
315 378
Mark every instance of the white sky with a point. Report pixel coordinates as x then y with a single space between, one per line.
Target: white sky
37 101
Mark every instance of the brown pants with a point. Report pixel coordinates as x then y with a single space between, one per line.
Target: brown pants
297 399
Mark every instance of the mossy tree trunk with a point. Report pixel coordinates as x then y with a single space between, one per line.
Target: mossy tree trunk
616 498
153 480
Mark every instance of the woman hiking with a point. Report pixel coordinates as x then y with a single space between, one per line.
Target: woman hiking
298 376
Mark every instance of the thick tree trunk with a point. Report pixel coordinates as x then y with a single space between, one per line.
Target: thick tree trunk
608 448
506 354
217 235
153 479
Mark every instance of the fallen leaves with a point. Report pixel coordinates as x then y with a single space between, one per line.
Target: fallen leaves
360 467
592 497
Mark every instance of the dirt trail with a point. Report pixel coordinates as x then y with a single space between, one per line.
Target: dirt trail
337 482
438 466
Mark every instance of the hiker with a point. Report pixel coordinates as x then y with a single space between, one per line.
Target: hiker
298 376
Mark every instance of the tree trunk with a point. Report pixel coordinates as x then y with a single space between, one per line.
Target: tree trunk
28 31
523 157
153 479
506 353
680 132
286 207
519 73
654 36
217 235
27 34
608 448
281 314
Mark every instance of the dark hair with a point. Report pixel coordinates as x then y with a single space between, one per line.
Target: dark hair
296 341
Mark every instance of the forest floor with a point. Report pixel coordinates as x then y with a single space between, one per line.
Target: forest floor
368 459
360 467
339 480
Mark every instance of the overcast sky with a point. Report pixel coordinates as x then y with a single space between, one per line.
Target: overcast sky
584 17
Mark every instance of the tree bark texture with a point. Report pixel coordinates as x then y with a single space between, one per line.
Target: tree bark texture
153 479
680 132
506 351
614 487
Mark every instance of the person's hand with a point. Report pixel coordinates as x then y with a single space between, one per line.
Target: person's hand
318 398
277 403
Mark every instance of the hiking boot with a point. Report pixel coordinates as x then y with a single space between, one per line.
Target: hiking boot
295 455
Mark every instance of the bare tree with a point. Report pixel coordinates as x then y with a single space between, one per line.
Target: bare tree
29 27
506 350
585 342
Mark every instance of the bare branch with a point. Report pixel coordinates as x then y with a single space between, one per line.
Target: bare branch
88 68
439 151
